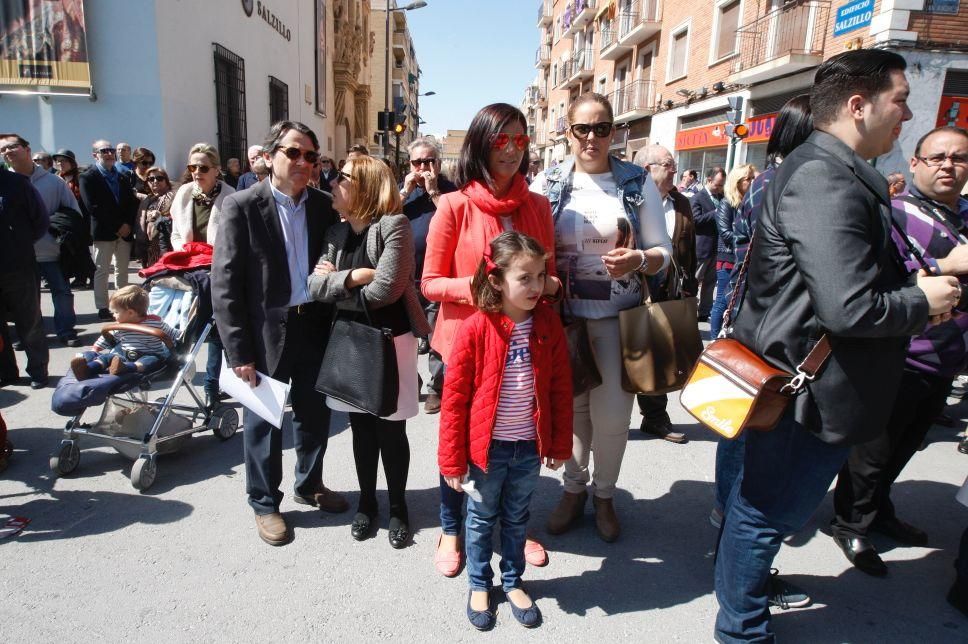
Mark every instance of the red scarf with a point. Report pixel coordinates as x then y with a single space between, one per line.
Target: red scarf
517 198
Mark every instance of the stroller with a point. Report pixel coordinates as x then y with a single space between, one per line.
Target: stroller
135 426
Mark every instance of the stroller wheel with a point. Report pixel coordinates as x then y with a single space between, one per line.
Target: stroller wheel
143 472
67 458
224 422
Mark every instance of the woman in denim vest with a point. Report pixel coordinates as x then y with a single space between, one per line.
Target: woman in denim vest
610 232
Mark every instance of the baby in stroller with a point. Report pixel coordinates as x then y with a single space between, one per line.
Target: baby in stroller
126 351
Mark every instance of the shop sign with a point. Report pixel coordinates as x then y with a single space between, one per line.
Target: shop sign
707 136
268 16
761 127
853 15
942 6
953 111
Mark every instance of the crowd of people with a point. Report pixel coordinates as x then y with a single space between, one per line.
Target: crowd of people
493 270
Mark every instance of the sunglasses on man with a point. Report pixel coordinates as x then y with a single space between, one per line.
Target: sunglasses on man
601 130
106 150
501 140
311 156
419 162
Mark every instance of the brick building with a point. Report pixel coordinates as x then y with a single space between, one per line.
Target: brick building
668 68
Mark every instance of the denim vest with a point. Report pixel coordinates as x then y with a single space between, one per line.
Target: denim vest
628 178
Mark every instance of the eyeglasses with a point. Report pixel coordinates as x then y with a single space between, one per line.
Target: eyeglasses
342 176
501 140
155 177
202 169
106 150
10 148
937 160
669 165
311 156
601 130
420 162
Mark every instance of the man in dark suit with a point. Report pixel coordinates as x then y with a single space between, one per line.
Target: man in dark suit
705 203
658 162
327 172
822 262
269 240
109 201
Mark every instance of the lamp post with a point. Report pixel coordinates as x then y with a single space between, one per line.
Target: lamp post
386 85
416 112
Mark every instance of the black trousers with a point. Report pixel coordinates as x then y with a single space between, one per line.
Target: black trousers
299 365
20 298
653 408
863 492
374 437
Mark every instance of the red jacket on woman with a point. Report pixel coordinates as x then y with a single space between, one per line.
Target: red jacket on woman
459 232
472 388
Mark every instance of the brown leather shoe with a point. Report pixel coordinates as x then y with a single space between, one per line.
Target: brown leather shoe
569 509
325 500
432 404
273 529
606 521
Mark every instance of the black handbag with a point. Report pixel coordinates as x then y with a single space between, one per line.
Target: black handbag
360 365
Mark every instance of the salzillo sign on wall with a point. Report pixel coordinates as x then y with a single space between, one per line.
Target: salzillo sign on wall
853 15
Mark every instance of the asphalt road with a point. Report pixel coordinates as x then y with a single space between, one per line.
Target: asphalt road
182 562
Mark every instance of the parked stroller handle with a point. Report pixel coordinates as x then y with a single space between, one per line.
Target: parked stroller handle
136 328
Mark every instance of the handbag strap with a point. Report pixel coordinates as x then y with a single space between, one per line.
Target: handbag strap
808 369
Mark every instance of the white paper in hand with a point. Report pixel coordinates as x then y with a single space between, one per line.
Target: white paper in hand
267 400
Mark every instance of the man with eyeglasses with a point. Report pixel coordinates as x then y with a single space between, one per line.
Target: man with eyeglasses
24 221
56 196
420 192
109 202
45 161
934 217
125 161
270 238
327 172
658 162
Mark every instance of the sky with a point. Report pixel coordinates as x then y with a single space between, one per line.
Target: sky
472 53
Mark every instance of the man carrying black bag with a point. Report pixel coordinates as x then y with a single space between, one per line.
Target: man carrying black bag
269 239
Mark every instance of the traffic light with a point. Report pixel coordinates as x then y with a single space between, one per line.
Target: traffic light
399 128
735 128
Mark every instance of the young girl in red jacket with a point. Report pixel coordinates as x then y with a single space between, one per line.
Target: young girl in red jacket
507 405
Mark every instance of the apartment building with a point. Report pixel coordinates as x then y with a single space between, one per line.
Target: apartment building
669 68
403 77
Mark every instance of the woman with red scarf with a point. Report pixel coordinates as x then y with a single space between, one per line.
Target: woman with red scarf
493 197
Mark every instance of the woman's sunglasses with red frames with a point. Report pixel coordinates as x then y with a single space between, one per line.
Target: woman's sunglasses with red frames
311 156
601 130
500 141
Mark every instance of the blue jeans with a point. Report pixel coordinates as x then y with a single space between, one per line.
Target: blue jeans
63 298
729 466
786 473
451 508
506 489
213 365
719 304
99 362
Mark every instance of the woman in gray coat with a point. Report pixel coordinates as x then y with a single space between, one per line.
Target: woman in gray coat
371 252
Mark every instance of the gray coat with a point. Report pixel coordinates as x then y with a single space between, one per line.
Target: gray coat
822 261
389 247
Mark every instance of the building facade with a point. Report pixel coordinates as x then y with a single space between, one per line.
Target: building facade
403 77
170 73
669 68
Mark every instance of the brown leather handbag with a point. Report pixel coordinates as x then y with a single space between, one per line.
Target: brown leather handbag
732 389
660 341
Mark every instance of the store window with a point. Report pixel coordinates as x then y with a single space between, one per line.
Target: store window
702 160
756 154
278 100
230 103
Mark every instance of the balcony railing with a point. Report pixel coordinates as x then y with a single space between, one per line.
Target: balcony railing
542 57
578 13
633 100
561 125
582 63
545 12
564 73
607 38
783 41
534 95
